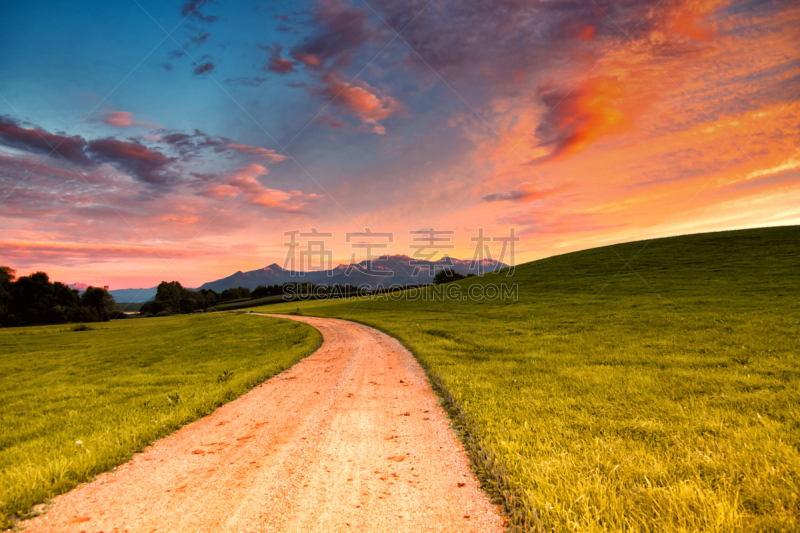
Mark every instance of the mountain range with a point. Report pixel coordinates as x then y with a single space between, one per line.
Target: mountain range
386 270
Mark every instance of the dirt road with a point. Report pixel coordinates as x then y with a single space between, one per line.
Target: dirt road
349 439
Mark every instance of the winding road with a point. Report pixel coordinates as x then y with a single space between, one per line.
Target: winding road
349 439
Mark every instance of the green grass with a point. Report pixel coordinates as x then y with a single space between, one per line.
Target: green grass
660 397
244 303
77 403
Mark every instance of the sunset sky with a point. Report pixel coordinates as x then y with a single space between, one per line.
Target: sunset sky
146 140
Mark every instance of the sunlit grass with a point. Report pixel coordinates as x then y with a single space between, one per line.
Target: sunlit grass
76 403
662 398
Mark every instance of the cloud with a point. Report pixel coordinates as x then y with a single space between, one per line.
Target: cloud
124 119
556 223
38 140
332 123
190 144
167 66
309 60
200 38
250 82
792 163
360 100
575 118
204 68
29 184
280 65
252 151
191 9
58 252
243 183
277 63
687 22
137 160
485 49
525 192
340 30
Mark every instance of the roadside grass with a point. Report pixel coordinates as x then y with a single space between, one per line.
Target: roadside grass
75 402
664 397
245 303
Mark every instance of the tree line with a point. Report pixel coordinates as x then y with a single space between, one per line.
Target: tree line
34 300
172 298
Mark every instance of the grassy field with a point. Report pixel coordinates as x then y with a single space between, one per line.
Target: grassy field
76 403
659 396
244 303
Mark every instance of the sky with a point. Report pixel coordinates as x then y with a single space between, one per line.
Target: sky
151 140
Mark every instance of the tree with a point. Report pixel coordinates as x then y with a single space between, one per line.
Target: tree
169 293
206 298
172 298
7 275
64 296
99 302
260 292
446 276
235 294
31 299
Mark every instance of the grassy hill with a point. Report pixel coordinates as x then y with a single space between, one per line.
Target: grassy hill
648 386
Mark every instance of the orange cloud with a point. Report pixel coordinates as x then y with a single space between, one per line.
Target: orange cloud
579 117
525 192
688 17
361 100
244 182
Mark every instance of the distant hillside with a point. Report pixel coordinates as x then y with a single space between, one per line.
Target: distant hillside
134 295
387 270
745 262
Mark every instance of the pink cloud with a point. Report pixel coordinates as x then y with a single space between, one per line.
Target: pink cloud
361 100
309 60
255 151
124 119
95 252
243 182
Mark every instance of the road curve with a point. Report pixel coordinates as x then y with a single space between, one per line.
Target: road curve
349 439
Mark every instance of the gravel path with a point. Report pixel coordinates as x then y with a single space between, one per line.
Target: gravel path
349 439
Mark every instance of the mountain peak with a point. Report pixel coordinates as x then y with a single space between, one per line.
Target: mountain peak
369 272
